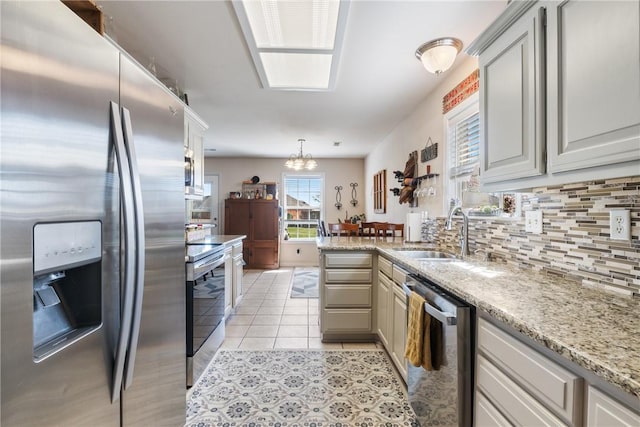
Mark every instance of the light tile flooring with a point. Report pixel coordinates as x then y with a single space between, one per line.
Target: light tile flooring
267 317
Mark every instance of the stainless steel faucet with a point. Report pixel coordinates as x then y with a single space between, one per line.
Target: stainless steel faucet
464 233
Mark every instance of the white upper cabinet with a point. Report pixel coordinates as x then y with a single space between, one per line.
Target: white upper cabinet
194 128
593 82
559 93
512 121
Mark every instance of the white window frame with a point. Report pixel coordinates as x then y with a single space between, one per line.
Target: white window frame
287 175
459 113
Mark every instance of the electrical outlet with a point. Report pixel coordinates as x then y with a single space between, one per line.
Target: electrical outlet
533 222
620 223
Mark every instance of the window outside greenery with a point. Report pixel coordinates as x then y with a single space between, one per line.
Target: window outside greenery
302 205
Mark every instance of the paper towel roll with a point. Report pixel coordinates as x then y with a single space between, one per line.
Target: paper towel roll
413 227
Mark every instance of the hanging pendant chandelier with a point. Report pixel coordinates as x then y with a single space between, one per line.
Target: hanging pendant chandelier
300 161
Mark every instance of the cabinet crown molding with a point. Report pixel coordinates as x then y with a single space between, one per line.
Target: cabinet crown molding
513 11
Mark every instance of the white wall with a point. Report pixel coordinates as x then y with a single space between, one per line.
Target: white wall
232 171
412 134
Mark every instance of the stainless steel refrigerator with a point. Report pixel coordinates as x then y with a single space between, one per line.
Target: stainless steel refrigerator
91 229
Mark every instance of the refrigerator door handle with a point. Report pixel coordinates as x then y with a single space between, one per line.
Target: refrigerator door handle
129 244
140 247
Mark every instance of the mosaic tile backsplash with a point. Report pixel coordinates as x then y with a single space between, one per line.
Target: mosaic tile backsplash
575 241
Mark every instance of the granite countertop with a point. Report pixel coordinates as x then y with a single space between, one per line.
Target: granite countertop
595 329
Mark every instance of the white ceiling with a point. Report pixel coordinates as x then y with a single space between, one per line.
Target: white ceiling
379 82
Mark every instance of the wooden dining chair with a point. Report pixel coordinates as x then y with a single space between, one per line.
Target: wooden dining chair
343 228
368 229
382 229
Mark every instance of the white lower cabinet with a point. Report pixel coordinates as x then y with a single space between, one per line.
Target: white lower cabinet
516 384
346 295
228 282
399 329
603 410
383 301
510 398
391 313
238 265
559 389
524 385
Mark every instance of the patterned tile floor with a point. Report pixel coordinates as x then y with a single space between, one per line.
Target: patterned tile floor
268 318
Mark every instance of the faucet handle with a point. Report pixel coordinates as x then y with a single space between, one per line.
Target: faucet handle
487 254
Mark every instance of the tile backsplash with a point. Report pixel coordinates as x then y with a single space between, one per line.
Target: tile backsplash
575 241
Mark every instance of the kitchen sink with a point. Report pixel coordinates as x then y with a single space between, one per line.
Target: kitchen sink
427 255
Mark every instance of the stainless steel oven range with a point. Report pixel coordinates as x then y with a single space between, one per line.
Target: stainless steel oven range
205 304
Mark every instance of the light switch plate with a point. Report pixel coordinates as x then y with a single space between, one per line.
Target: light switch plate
620 223
533 222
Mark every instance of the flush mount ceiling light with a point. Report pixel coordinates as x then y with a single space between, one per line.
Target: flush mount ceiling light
295 45
300 161
438 55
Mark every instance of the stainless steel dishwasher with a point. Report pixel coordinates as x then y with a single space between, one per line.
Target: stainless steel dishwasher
444 397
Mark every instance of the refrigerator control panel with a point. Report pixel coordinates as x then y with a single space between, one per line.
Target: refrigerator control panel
66 244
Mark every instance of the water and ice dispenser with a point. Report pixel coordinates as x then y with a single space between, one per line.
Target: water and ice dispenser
67 284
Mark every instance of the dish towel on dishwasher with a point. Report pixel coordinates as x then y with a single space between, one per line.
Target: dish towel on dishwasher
425 342
415 330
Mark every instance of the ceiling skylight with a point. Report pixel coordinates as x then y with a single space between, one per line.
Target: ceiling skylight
295 44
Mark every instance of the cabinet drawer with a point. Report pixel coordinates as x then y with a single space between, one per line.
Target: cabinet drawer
343 260
487 415
385 266
558 388
520 407
347 320
347 276
399 275
347 295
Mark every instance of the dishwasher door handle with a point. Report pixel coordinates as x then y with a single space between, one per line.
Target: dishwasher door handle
446 318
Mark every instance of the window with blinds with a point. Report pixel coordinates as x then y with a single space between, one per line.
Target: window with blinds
464 137
462 124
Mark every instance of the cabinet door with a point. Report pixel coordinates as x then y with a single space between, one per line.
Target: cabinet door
228 283
511 102
383 304
399 333
197 145
263 254
264 219
604 411
593 89
194 140
237 280
237 216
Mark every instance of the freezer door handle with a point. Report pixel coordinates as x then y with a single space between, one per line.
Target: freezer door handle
126 192
140 247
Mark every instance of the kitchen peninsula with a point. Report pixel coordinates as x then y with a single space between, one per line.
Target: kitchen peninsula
591 333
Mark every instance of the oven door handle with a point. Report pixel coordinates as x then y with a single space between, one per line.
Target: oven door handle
444 317
206 265
211 264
